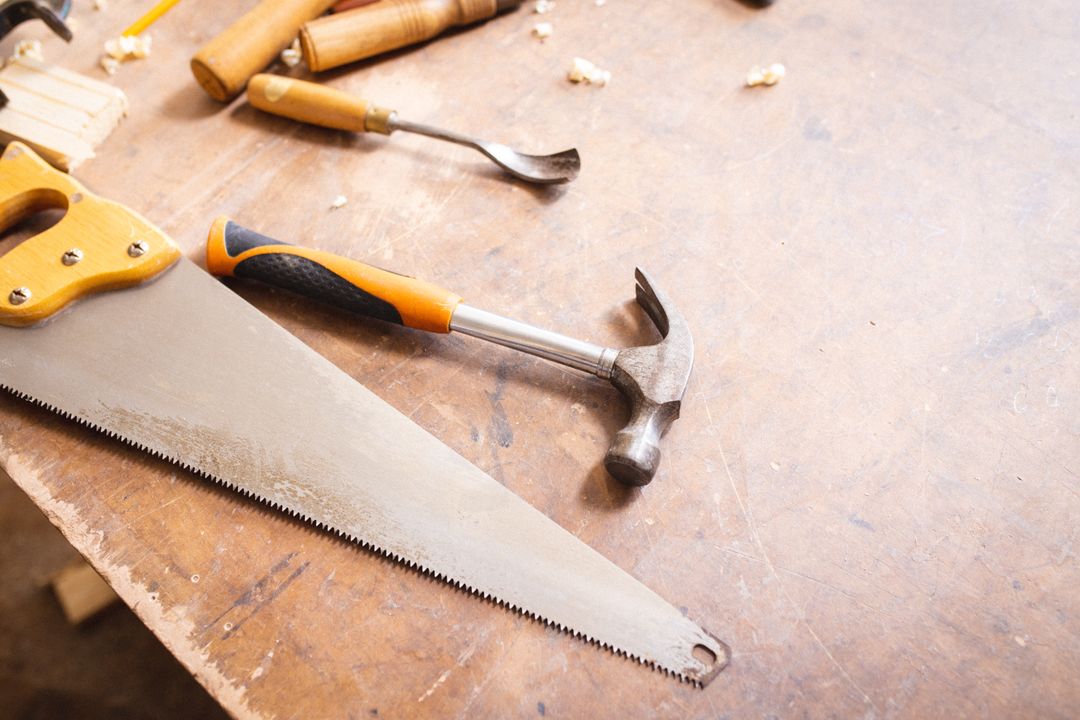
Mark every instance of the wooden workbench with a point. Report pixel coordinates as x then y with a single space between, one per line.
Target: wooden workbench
873 491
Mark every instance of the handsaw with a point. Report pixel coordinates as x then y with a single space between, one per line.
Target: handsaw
157 353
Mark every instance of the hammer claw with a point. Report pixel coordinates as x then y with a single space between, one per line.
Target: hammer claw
648 302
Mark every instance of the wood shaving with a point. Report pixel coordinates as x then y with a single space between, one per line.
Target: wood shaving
129 47
28 49
765 75
542 7
579 70
101 5
291 55
596 76
124 48
584 71
339 202
542 30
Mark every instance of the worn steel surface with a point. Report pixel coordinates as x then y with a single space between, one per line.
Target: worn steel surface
551 169
186 370
653 379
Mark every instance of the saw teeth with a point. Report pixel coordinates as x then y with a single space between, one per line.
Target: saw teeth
365 544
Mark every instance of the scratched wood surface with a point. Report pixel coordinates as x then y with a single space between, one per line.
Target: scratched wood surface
872 493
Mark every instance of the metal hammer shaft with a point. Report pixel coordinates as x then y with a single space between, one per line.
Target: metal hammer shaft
533 340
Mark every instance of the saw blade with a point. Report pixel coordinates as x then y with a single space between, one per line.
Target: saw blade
185 369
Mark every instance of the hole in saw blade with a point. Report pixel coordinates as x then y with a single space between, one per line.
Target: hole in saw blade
705 655
31 214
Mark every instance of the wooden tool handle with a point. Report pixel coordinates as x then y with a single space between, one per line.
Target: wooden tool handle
232 250
224 64
316 104
386 25
98 245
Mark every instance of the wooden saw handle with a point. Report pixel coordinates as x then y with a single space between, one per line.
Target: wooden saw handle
316 104
98 245
232 250
371 30
223 65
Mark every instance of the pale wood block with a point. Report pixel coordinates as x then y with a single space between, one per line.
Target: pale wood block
62 115
81 592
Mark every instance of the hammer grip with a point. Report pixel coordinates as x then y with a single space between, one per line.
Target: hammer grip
235 251
384 26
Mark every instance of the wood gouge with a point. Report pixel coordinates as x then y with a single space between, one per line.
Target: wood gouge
364 32
653 378
320 105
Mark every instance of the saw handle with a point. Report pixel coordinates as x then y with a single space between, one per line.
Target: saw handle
235 251
98 245
316 104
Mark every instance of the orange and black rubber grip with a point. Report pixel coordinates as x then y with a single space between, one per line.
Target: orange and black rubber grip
235 251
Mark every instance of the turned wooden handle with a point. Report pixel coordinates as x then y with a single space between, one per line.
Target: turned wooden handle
316 104
386 25
224 65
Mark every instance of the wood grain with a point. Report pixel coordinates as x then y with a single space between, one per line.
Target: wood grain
871 493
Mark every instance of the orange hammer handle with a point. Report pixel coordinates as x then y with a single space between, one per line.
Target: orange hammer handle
232 250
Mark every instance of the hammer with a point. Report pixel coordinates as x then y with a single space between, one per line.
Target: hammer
652 377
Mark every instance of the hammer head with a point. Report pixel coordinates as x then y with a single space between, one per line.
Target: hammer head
653 378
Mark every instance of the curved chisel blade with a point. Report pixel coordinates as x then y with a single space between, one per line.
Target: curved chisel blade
187 370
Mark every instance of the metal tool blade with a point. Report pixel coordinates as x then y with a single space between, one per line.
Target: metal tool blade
187 370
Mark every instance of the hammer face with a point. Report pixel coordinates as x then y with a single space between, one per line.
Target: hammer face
634 454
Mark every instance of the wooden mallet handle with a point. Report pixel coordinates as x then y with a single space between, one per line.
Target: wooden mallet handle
224 65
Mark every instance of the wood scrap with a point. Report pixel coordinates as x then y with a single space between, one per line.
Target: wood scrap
81 592
61 114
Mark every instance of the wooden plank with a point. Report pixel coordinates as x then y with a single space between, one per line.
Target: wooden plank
62 86
60 147
59 113
872 491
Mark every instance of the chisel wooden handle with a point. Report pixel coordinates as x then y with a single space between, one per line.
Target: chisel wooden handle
316 104
223 66
387 25
232 250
